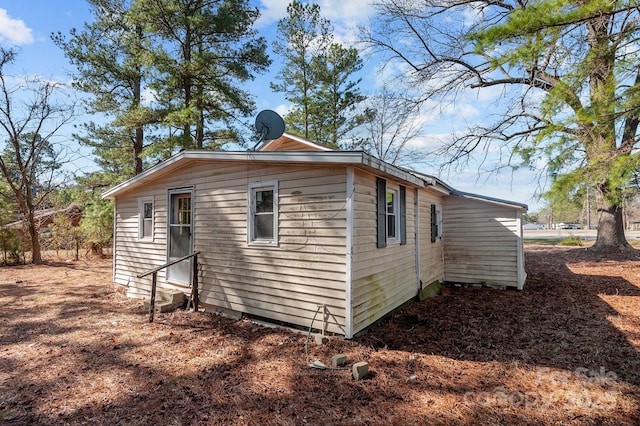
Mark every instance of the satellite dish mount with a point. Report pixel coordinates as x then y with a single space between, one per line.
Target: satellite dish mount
269 126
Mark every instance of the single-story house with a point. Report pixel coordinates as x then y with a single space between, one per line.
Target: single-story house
295 226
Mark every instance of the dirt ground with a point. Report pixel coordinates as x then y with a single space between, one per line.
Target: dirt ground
566 350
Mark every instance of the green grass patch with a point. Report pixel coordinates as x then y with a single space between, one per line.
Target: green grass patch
544 241
571 241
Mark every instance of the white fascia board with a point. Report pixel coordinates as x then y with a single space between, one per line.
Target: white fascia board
388 169
311 157
308 142
355 158
437 186
149 174
491 200
298 139
433 183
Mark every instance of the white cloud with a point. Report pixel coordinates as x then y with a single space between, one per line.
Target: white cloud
282 109
14 30
345 16
148 96
487 94
342 10
389 71
353 11
430 142
271 11
35 80
467 17
427 143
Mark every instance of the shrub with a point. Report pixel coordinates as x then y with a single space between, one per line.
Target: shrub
571 241
10 245
97 224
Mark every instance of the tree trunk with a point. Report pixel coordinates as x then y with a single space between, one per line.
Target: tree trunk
610 225
200 129
138 145
36 255
138 141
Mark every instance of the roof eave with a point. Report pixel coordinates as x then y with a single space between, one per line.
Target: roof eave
354 158
299 139
145 175
487 199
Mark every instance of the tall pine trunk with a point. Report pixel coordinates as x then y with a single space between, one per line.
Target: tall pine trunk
138 139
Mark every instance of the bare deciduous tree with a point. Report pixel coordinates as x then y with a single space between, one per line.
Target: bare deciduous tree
390 122
568 74
30 116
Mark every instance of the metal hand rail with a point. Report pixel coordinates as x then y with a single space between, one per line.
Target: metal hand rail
154 282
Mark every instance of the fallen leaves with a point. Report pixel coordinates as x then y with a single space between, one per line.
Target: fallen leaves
564 350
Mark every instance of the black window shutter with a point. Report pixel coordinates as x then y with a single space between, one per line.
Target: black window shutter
403 215
381 207
434 224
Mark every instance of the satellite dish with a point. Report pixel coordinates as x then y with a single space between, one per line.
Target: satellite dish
269 125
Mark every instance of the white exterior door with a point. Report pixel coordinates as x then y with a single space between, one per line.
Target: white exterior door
180 235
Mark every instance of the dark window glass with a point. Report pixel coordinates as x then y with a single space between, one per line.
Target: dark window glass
391 215
180 243
264 227
147 220
263 215
264 201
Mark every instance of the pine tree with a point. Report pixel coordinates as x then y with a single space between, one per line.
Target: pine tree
303 37
201 51
337 98
109 59
317 76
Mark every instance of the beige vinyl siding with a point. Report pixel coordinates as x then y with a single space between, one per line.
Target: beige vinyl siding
284 283
480 242
133 256
382 278
431 254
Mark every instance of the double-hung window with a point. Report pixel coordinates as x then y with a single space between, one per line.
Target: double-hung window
145 218
393 218
262 217
391 207
436 223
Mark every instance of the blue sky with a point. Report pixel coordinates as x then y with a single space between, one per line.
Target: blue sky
28 24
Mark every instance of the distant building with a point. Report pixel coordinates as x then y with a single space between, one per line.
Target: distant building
44 218
534 226
566 225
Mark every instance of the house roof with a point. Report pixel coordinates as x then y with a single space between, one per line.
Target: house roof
489 199
270 153
184 158
43 217
289 142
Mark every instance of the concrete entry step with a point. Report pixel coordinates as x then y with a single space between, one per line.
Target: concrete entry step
166 300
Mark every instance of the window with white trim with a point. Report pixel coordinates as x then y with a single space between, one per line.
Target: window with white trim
145 218
393 216
436 223
439 222
262 220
